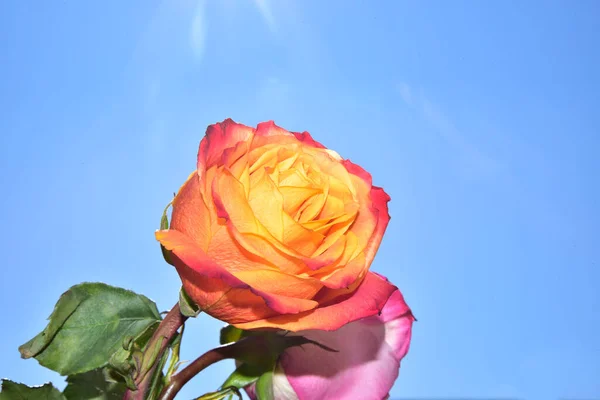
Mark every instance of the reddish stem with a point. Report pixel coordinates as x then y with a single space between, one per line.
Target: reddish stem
181 378
256 343
167 330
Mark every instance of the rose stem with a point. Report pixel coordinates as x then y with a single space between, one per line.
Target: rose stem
181 378
255 344
167 329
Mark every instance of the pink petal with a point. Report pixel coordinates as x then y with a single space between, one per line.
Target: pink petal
366 364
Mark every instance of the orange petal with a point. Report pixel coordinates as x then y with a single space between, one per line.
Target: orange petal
367 300
297 237
280 283
197 260
374 219
220 300
329 257
225 250
287 260
267 203
305 138
380 199
262 157
235 159
337 229
345 275
190 214
231 203
357 170
295 196
219 137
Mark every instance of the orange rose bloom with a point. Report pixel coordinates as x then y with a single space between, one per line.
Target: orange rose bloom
275 230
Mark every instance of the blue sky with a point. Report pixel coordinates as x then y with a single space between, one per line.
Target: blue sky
480 119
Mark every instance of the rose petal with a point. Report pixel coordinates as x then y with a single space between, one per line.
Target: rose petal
357 170
280 283
346 275
231 203
365 365
229 254
190 214
365 301
286 260
305 138
193 257
220 300
270 129
219 137
267 203
263 245
380 199
398 319
294 196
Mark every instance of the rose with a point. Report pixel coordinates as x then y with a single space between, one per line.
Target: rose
365 365
275 230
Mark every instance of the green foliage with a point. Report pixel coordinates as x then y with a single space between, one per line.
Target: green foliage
88 327
93 385
18 391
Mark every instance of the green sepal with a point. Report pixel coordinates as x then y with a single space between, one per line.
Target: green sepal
157 382
245 375
123 370
229 334
122 376
264 386
164 225
174 359
187 306
126 362
14 391
87 327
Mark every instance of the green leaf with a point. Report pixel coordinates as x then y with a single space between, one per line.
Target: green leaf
264 386
18 391
93 385
88 325
230 334
187 306
244 375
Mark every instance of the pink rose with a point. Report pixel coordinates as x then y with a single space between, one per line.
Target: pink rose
364 367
